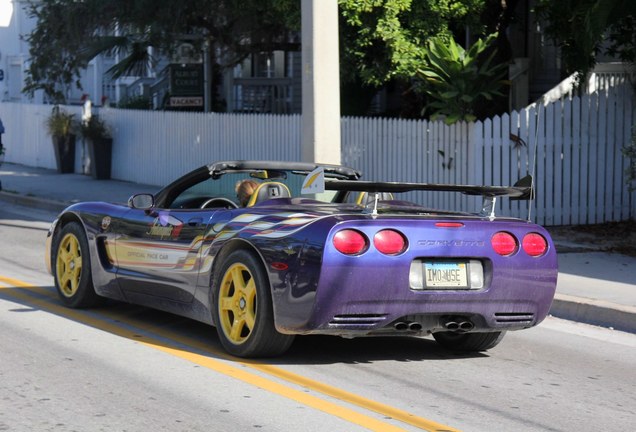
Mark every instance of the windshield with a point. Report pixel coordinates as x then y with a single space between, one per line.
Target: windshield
225 187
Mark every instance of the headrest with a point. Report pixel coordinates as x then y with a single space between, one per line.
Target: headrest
267 191
365 198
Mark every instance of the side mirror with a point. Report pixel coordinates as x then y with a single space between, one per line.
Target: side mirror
141 201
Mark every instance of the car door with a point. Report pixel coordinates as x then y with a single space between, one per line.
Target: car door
157 252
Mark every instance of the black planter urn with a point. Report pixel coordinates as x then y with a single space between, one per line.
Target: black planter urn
64 147
100 152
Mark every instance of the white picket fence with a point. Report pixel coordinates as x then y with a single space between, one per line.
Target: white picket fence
573 147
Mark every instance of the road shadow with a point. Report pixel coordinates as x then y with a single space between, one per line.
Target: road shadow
334 349
167 330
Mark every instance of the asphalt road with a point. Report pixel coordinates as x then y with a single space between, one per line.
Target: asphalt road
125 368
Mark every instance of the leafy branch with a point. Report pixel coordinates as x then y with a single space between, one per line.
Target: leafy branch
457 81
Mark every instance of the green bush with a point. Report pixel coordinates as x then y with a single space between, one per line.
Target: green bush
456 80
94 129
60 123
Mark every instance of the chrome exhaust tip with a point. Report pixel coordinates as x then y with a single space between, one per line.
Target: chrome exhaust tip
401 326
466 326
457 324
451 325
415 326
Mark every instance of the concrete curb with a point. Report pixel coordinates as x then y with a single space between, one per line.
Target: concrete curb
596 312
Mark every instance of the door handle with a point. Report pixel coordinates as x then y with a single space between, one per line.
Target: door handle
195 221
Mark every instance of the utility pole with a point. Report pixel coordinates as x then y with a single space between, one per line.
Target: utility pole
320 82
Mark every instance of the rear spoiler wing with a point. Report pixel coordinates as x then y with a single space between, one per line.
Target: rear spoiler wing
518 192
522 190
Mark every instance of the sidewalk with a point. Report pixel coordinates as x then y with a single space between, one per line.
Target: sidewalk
49 190
594 287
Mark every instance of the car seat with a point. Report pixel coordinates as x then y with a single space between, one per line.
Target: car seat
365 198
267 191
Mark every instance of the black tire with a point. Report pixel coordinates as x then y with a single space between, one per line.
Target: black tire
72 268
242 308
469 342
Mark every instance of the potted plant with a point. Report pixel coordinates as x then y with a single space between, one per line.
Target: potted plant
99 142
60 126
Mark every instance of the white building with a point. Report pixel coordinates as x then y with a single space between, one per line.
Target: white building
15 23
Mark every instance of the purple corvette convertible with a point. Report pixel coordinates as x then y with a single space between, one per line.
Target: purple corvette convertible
352 258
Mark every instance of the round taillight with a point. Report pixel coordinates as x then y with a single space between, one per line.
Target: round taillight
389 242
350 242
504 243
534 244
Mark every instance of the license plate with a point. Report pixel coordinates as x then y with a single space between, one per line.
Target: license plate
445 275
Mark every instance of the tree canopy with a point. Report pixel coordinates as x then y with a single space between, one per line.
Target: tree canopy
381 39
386 39
69 33
585 28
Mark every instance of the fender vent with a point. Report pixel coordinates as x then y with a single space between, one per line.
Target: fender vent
357 320
511 317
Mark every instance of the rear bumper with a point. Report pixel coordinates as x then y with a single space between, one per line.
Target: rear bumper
380 307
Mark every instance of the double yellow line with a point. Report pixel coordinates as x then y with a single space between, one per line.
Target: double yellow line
241 373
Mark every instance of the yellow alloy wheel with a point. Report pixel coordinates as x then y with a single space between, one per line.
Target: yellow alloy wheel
69 265
237 303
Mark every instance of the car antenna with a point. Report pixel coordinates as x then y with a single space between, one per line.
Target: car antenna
534 160
376 198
